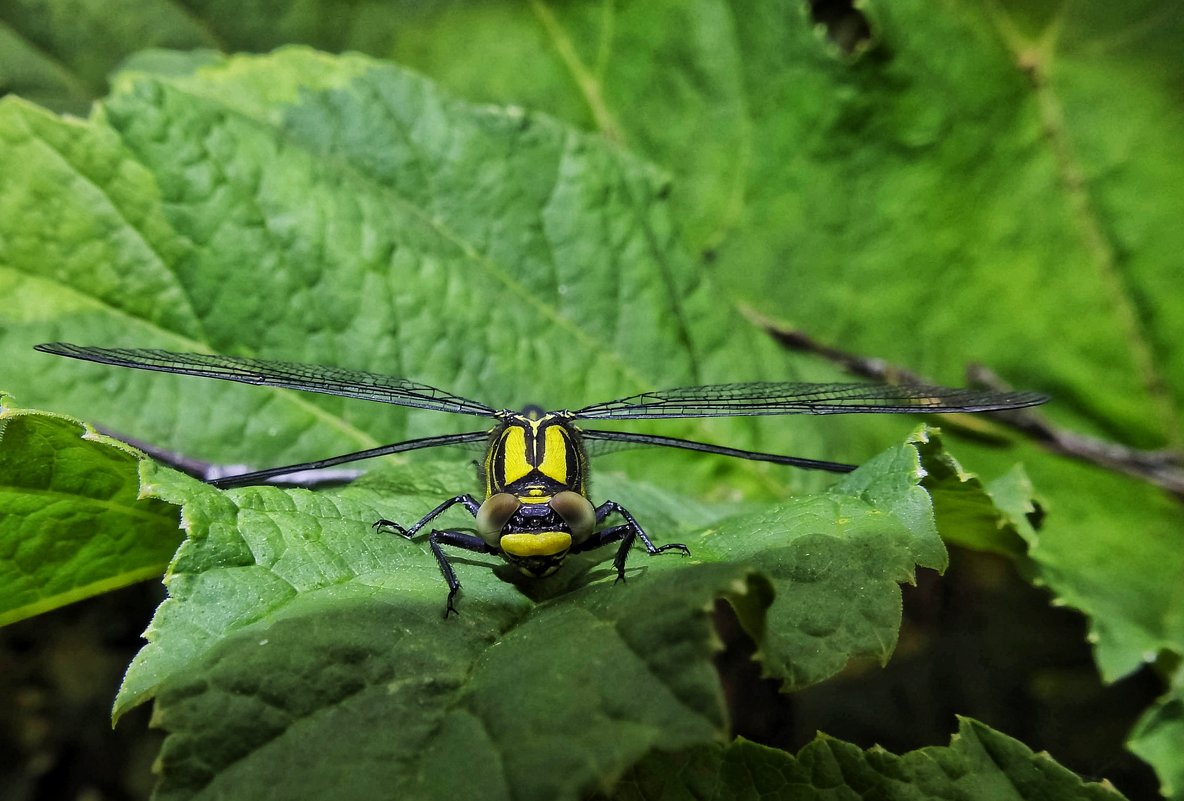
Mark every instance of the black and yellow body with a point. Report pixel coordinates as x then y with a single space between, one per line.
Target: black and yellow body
536 499
536 509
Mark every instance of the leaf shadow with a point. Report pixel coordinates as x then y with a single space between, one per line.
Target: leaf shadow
577 572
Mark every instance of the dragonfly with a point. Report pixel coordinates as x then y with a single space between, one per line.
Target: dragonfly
535 508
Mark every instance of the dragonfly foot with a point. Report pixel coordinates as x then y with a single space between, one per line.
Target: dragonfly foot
391 525
451 608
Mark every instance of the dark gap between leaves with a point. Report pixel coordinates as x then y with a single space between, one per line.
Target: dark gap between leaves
846 26
58 676
961 652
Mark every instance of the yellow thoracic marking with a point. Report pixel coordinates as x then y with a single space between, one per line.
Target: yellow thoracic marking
534 496
514 462
543 543
554 464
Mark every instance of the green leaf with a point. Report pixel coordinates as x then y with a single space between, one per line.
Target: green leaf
1158 735
979 763
280 207
837 586
988 518
291 622
73 523
59 53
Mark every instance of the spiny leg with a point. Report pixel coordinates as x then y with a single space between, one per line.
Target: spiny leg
455 539
626 534
437 538
467 500
608 507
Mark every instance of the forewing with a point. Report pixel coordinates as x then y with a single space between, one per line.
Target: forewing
772 398
288 375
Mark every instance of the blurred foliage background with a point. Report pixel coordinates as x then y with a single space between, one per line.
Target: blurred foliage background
995 183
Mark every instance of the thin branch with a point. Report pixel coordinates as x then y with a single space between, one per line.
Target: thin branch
1163 468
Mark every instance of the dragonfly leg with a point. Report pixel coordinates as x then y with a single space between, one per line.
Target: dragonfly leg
468 501
625 534
454 539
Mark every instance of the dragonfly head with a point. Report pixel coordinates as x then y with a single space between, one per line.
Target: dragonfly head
538 554
535 533
535 539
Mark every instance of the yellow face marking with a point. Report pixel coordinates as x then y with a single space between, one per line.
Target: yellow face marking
514 462
544 543
554 463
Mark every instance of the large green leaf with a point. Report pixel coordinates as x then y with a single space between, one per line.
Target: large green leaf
1157 739
340 212
291 622
72 521
59 53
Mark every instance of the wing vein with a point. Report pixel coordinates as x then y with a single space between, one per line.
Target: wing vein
286 375
774 398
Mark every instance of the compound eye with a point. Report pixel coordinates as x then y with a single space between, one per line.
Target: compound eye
493 516
577 512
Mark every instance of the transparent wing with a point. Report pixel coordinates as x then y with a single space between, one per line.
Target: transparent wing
770 398
288 375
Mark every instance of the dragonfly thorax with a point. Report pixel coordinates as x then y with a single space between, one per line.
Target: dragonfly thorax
532 457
